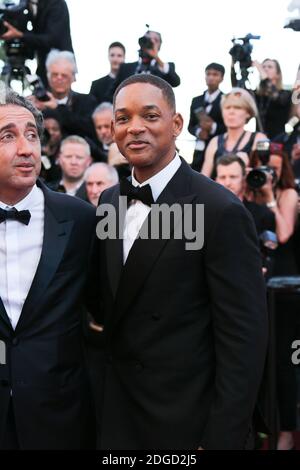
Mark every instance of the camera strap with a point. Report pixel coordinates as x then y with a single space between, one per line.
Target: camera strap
236 147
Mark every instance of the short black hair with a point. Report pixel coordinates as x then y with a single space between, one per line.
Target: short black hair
228 159
10 97
157 82
214 66
117 44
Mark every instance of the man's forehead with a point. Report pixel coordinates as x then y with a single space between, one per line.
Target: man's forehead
145 94
9 113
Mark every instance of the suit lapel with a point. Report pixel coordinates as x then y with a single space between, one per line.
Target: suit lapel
144 253
3 314
57 229
114 250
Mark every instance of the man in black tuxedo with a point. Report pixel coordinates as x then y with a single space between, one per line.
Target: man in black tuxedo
149 62
45 241
185 326
206 119
73 109
102 88
51 30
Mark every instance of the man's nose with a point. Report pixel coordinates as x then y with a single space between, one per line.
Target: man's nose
24 147
136 126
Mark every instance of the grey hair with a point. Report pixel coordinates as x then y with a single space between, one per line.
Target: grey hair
102 107
76 139
10 97
56 56
111 171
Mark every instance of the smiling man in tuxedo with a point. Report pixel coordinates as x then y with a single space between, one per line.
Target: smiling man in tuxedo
44 246
185 329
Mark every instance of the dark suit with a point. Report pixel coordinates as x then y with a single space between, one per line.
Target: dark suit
75 117
59 188
102 88
185 331
45 363
51 30
215 114
126 70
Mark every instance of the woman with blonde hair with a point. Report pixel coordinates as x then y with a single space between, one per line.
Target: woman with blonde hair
238 107
273 102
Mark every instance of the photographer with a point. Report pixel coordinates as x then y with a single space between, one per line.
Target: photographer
73 109
231 173
149 62
279 195
273 102
205 113
51 30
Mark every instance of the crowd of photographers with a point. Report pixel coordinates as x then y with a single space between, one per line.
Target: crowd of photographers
261 167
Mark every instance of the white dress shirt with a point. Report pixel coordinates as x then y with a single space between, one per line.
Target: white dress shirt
20 252
138 211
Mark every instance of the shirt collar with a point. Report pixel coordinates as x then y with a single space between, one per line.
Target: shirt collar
27 203
210 97
159 181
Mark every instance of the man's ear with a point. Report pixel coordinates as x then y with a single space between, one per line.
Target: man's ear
177 124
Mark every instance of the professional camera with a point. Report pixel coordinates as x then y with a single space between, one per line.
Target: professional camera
241 53
38 88
15 12
258 176
145 43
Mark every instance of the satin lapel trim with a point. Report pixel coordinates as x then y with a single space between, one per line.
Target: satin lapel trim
139 263
3 314
114 248
56 236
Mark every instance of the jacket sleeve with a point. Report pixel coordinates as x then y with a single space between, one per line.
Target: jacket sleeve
239 317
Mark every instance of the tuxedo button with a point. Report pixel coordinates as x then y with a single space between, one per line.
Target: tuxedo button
4 383
15 341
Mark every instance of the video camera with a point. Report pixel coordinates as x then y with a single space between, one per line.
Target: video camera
257 177
15 12
242 49
241 53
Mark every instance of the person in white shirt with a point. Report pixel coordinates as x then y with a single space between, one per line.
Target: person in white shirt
45 242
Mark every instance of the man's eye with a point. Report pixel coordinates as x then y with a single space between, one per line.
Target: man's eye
7 137
151 116
121 119
32 136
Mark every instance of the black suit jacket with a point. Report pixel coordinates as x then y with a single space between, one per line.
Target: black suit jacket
185 331
126 70
75 117
45 363
51 30
102 89
215 114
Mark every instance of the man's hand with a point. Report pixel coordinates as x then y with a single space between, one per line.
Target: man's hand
12 32
42 105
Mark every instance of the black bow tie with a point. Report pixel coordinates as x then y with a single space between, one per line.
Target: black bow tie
142 193
14 214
